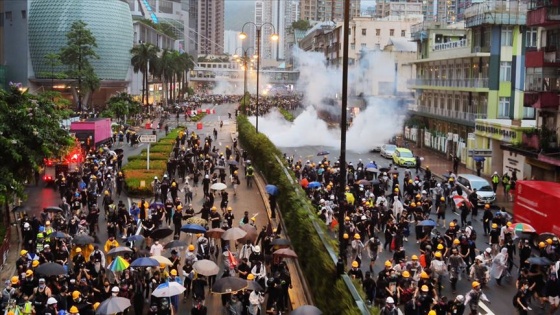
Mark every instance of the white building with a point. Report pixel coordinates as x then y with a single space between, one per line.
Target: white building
232 42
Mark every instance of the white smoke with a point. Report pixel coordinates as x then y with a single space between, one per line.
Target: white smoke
379 122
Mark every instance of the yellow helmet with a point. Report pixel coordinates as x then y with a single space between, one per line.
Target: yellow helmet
414 257
451 224
250 276
345 236
437 254
432 312
106 193
424 275
191 247
76 294
413 204
542 245
424 288
396 190
35 263
357 237
440 246
456 242
442 198
74 310
388 264
475 284
406 274
179 208
162 265
229 209
487 206
29 273
78 250
96 305
14 280
549 241
173 272
508 224
214 208
23 252
355 264
494 225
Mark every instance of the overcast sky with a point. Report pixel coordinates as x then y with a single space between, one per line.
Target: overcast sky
240 11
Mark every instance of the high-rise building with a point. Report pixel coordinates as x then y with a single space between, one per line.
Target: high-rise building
210 27
386 8
281 14
327 10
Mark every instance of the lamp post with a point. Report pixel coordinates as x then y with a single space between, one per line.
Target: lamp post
274 37
245 62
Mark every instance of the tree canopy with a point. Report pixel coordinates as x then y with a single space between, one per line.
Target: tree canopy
30 131
79 50
122 105
302 25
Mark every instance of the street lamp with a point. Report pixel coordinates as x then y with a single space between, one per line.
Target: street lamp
274 37
245 61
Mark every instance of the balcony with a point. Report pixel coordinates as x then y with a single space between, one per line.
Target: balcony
450 83
541 100
546 57
544 16
496 12
447 113
450 45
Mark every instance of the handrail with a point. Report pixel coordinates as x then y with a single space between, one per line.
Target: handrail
349 284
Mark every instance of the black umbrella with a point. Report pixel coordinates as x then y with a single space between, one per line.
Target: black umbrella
546 235
51 269
53 209
175 244
229 285
254 286
375 182
213 154
119 151
219 167
233 162
83 239
280 242
161 233
384 169
21 209
59 234
541 261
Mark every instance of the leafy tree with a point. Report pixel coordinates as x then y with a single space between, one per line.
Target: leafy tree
302 25
54 62
185 63
30 130
79 50
121 106
144 59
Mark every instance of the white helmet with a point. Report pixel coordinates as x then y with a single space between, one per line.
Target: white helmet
51 301
488 250
438 184
115 290
390 300
460 298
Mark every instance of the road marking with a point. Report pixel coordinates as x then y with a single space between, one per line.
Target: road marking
485 308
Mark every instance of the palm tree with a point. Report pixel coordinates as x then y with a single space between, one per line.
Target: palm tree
165 68
144 57
186 63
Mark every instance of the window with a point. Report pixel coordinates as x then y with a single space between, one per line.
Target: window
363 46
507 36
528 113
353 46
9 16
403 33
23 14
503 107
391 32
364 31
377 32
505 71
531 37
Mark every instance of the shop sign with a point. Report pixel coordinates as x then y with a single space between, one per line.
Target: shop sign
513 162
498 132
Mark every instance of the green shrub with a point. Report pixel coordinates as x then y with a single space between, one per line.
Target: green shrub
287 115
141 164
153 156
198 117
161 148
133 180
329 289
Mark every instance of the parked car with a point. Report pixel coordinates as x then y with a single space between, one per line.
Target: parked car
376 148
404 157
484 191
387 150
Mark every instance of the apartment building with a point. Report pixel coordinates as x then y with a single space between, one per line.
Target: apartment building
469 87
327 10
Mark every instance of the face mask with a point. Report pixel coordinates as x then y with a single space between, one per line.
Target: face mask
42 286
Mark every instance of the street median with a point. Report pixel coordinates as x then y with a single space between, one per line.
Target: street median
331 293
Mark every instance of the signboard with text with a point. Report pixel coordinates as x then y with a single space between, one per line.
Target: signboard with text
480 152
148 138
513 162
505 133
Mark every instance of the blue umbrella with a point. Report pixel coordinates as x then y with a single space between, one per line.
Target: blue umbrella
271 190
431 223
144 262
372 165
156 204
314 185
135 238
233 162
479 159
193 228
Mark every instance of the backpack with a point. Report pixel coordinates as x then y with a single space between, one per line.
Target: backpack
473 233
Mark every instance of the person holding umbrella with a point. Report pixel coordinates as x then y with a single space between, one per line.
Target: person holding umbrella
173 277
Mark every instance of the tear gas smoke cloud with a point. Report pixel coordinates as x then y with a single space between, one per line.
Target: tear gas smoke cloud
380 121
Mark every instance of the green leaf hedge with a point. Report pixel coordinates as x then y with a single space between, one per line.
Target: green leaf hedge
330 293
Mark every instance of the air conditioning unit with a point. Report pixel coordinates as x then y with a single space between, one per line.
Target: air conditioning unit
477 49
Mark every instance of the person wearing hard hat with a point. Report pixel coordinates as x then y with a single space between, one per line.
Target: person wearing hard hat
173 277
51 308
474 296
355 272
29 283
494 238
390 308
357 248
423 299
22 262
74 310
